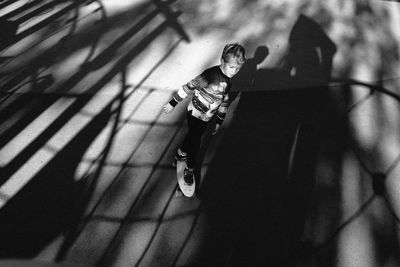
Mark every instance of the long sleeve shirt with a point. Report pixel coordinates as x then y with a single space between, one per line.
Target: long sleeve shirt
210 95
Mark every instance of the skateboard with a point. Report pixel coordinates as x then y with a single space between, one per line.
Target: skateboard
187 190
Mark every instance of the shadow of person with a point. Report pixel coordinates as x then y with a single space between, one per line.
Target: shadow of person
256 190
311 52
241 82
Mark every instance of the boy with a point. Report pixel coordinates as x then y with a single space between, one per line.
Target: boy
210 97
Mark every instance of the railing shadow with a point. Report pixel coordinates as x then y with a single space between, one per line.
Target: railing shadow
12 36
339 140
74 227
45 207
86 96
119 124
7 3
53 202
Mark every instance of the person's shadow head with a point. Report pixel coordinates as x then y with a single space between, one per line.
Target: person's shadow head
260 54
243 80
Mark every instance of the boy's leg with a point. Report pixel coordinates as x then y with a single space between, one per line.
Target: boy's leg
192 142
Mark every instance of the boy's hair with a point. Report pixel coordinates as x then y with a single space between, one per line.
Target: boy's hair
234 50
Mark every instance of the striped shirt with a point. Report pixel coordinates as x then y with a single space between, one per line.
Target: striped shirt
210 95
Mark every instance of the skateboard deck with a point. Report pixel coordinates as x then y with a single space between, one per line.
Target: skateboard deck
187 190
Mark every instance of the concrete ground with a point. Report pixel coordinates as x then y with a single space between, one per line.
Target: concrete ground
85 149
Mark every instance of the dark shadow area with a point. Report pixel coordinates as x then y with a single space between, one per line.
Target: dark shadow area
257 188
8 32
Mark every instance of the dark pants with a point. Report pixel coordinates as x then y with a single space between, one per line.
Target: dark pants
192 142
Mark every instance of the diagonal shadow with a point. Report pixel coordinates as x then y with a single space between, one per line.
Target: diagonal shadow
21 9
77 105
70 221
109 251
60 90
84 38
43 23
49 220
78 227
5 3
170 16
47 7
46 205
73 230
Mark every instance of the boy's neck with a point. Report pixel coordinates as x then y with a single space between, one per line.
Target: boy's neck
220 67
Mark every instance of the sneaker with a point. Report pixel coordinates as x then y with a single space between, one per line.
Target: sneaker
180 155
188 176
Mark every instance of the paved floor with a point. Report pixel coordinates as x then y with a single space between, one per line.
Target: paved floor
85 149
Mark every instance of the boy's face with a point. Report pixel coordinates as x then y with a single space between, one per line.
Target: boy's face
230 67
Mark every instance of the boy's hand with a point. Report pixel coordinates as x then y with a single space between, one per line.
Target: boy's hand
168 108
217 126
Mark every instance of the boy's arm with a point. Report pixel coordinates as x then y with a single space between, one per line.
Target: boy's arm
184 91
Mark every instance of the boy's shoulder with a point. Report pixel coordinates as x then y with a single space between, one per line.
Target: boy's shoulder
211 69
213 72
